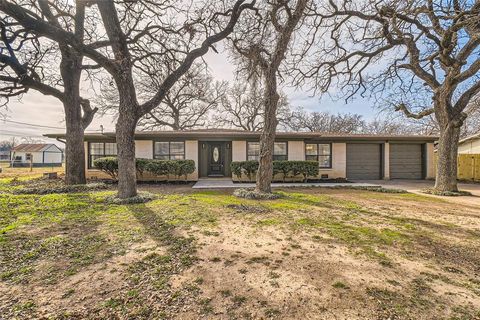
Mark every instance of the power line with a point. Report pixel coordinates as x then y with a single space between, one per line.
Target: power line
39 125
32 124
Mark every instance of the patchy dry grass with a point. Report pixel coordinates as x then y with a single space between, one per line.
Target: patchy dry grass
8 172
314 253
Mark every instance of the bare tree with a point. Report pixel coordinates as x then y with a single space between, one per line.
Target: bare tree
136 32
263 43
187 104
31 140
422 56
26 63
324 121
471 124
243 108
7 145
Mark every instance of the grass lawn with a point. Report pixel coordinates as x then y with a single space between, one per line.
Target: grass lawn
313 254
25 172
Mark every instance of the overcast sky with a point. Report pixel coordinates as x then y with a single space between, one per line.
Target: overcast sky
35 108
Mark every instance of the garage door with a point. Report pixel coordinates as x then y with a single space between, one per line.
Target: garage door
364 161
406 161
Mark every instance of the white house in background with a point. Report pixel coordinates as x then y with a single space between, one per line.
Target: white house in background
470 145
38 154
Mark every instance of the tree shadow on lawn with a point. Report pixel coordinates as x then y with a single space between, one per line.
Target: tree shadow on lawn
50 239
160 270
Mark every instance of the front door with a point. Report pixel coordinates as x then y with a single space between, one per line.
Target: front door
216 159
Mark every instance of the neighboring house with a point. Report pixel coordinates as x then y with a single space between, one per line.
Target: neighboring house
353 156
4 155
470 145
38 154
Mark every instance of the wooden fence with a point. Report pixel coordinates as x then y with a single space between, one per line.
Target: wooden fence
469 167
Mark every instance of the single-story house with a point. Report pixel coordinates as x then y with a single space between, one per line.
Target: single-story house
37 154
350 156
470 145
4 155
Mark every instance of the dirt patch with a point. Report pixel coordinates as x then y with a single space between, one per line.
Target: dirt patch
314 254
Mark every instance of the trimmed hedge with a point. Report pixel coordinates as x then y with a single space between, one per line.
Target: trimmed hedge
109 165
175 168
286 168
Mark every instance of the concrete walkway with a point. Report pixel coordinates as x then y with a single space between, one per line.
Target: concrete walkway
416 186
223 184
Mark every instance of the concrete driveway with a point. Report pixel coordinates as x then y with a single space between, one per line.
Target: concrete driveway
416 185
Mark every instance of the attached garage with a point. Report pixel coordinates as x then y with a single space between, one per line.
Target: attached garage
406 161
364 161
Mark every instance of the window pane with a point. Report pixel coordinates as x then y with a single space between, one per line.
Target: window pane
176 157
324 161
253 158
279 157
324 149
311 158
177 148
311 149
280 148
110 149
161 157
161 148
96 148
253 149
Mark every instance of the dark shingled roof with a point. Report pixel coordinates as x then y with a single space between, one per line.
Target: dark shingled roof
241 134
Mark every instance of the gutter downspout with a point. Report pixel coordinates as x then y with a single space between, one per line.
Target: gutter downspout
64 142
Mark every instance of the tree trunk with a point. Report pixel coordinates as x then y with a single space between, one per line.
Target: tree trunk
446 176
70 68
127 178
267 138
74 147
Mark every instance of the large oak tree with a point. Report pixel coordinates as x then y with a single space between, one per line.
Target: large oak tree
27 62
135 32
422 57
262 43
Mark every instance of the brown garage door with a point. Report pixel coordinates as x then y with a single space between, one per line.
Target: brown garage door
364 161
406 161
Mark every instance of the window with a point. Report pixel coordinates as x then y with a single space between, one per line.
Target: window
28 157
253 150
100 150
169 150
279 151
321 152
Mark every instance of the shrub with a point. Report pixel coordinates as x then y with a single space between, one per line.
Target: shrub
244 167
140 165
304 168
286 168
176 168
157 167
283 167
184 168
109 165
